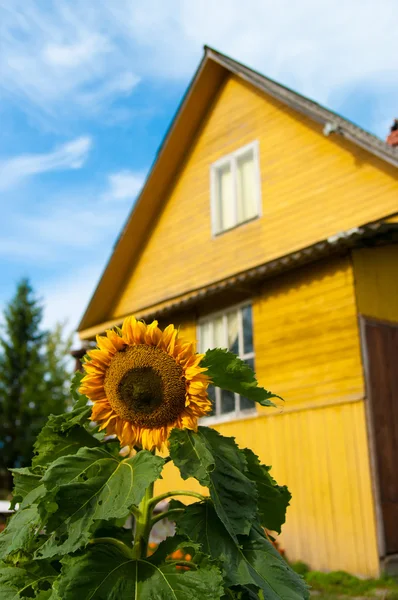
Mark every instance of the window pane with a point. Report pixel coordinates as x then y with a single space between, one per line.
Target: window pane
227 402
233 332
219 338
246 192
211 392
205 337
245 403
225 198
247 329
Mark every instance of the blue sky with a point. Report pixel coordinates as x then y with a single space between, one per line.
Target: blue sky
88 89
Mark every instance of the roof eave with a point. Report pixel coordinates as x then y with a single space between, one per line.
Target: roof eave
370 234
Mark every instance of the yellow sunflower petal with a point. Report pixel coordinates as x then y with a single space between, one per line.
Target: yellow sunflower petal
104 343
153 334
116 339
168 334
94 369
109 423
127 329
101 410
189 422
101 357
139 331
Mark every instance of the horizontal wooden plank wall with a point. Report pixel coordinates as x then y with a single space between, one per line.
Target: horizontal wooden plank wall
306 335
307 350
312 187
376 281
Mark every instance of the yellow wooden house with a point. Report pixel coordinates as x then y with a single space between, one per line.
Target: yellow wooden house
269 224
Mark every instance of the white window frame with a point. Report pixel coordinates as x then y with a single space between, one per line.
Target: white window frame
232 159
237 413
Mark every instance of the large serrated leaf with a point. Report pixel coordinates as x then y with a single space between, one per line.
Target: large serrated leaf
74 386
27 581
19 535
217 462
59 438
191 455
92 485
104 573
229 372
251 560
273 499
26 480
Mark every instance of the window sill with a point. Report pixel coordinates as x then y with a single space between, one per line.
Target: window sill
217 234
228 417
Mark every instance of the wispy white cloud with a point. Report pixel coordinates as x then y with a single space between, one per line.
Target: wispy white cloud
58 59
71 155
124 185
76 54
62 54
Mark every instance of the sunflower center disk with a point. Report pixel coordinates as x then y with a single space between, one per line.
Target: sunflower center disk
141 390
145 385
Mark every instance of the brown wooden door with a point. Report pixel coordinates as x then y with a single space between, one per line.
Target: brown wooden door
381 366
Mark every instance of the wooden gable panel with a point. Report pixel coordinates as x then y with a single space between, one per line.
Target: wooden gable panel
312 187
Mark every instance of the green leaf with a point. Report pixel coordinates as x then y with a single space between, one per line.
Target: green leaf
273 499
229 372
250 561
217 462
191 454
62 436
242 592
170 545
74 386
89 486
33 578
19 535
104 573
26 480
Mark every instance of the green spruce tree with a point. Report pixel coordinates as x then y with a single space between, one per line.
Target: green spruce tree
33 375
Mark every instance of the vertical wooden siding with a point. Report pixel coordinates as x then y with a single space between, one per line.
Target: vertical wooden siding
312 187
376 281
307 349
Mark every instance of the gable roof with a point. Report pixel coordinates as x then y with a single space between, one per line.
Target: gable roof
208 79
333 122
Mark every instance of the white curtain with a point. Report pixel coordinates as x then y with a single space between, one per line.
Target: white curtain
205 336
218 333
246 184
233 332
225 198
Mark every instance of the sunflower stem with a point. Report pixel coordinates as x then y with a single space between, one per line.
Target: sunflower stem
167 514
143 525
114 542
157 499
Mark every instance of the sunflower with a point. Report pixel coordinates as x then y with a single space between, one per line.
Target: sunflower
144 382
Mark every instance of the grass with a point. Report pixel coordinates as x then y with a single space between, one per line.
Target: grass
339 584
